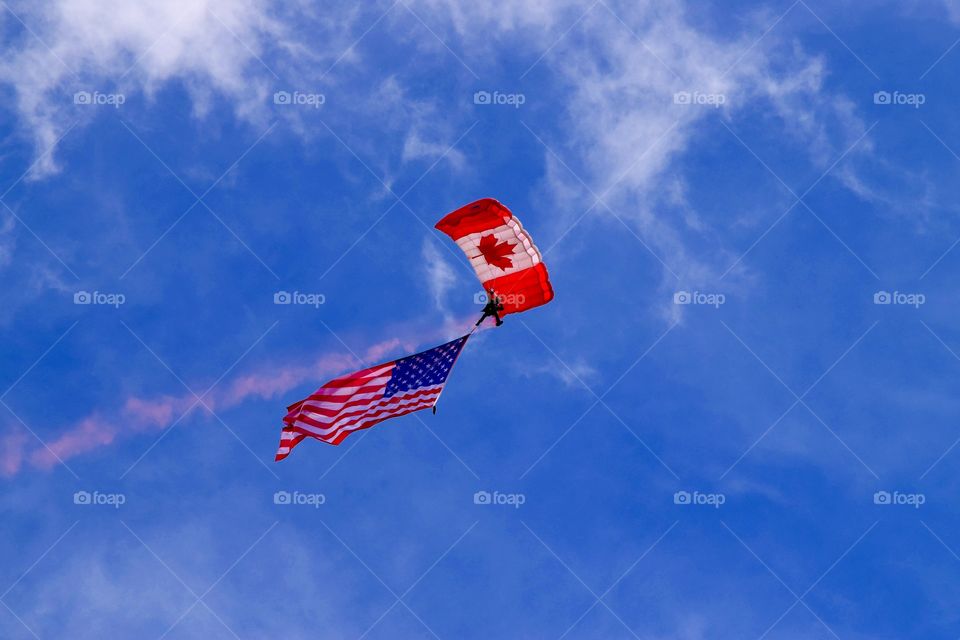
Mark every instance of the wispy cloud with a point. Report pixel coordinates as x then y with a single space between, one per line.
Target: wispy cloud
138 414
441 276
215 47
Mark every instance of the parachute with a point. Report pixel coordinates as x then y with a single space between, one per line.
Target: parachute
506 261
510 268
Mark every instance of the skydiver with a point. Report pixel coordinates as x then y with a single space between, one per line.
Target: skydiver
492 308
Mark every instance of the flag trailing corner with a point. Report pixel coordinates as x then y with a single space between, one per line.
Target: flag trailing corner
365 398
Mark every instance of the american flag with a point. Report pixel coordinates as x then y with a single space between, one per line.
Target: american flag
362 399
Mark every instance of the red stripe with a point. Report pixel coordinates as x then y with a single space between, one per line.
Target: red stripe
329 413
477 216
350 418
340 435
298 437
352 379
380 411
522 290
344 397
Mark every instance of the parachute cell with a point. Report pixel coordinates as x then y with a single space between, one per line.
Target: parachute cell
501 253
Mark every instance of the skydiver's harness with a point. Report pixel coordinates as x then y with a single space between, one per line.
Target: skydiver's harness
491 309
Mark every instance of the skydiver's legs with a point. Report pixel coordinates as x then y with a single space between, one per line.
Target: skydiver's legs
491 309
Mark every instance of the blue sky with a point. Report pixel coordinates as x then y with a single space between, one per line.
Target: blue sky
736 419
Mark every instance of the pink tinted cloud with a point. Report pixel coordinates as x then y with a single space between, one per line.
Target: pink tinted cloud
12 446
91 433
143 414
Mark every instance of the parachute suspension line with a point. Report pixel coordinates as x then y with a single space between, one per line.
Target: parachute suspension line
433 407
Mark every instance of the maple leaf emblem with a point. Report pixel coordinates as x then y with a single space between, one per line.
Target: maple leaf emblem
496 252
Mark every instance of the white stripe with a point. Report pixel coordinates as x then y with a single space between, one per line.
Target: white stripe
375 397
317 404
424 404
370 374
372 410
345 391
384 407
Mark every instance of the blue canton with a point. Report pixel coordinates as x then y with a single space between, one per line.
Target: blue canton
424 369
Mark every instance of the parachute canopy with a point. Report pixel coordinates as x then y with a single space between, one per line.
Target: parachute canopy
501 252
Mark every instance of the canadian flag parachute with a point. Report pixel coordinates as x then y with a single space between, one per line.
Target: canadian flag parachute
510 268
501 252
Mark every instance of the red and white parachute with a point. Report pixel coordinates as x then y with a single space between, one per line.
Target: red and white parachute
501 252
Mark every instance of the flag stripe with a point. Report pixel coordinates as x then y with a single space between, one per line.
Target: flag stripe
292 439
426 404
362 399
373 409
367 422
325 416
372 372
335 393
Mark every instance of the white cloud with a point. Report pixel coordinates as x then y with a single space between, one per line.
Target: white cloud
953 9
617 74
213 47
7 240
440 277
540 16
629 127
574 374
415 148
622 65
